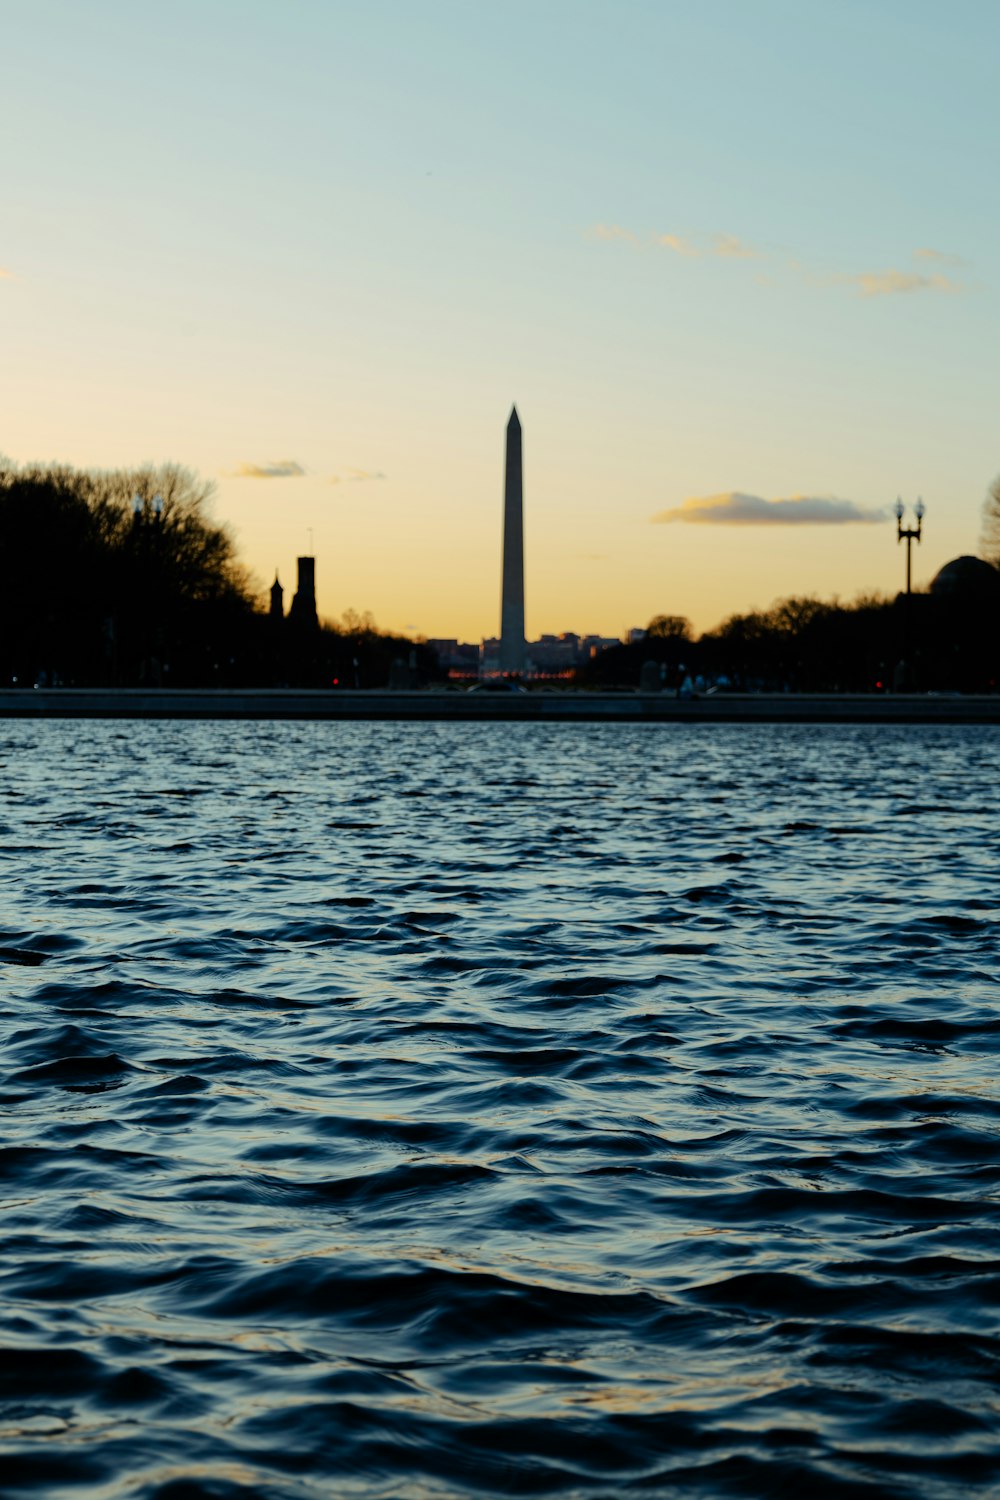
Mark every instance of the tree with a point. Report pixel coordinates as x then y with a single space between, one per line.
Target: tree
197 556
669 628
114 577
989 542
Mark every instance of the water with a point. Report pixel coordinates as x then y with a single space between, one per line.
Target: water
439 1110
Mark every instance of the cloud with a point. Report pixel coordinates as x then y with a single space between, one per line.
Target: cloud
892 283
611 232
6 275
728 247
283 468
895 283
356 476
736 509
722 247
678 246
941 256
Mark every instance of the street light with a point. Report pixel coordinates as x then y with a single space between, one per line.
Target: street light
147 583
139 508
909 534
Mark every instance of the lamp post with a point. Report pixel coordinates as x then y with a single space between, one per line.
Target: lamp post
909 534
148 523
903 680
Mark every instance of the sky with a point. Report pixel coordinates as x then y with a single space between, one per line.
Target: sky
734 260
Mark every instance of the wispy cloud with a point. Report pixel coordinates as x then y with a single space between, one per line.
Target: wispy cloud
722 247
943 257
728 247
356 476
867 284
611 232
737 509
282 468
678 245
899 283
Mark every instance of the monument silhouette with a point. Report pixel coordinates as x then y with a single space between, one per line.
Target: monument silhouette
512 649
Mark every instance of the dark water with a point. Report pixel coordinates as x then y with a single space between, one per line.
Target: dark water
498 1109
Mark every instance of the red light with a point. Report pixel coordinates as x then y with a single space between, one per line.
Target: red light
336 682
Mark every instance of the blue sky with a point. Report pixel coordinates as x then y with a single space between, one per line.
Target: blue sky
711 249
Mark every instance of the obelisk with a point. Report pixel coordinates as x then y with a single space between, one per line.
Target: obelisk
512 656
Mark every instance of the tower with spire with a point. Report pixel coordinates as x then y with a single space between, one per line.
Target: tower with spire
302 613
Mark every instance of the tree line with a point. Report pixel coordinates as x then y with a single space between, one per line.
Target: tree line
927 643
943 641
123 578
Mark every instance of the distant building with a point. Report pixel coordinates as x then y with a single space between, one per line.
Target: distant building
554 654
593 645
966 578
277 600
549 656
457 658
489 656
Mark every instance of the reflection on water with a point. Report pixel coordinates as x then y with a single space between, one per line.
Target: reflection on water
502 1109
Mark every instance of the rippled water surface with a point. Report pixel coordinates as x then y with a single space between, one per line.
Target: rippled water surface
431 1110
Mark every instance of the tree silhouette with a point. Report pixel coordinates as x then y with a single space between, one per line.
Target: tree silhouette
114 577
668 628
990 537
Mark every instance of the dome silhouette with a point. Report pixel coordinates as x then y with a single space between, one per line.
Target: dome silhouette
966 578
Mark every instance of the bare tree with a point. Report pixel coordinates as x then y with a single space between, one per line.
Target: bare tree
989 540
669 628
116 576
197 555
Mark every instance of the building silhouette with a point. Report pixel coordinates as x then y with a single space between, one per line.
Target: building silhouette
302 613
277 600
966 578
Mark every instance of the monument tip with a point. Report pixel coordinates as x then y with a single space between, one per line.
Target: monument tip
515 420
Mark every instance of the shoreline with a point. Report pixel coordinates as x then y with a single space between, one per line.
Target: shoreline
531 707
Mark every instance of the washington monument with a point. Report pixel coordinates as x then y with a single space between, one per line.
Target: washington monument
512 657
